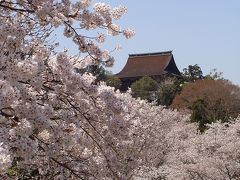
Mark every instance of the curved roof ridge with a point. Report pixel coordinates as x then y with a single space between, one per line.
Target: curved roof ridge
151 54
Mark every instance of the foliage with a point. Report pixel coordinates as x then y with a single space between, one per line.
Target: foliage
99 72
218 99
168 88
215 75
162 92
200 114
145 88
192 73
114 81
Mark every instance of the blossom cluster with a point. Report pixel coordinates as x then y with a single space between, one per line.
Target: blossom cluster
190 154
56 123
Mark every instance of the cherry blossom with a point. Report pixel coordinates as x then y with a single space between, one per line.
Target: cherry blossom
57 123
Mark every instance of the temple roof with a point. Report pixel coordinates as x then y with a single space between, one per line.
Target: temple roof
150 64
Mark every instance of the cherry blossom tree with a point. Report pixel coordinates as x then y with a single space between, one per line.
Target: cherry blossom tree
211 155
56 123
190 154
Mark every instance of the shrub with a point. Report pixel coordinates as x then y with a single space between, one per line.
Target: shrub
145 88
114 81
218 98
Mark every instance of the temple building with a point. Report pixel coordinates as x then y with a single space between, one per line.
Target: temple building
156 65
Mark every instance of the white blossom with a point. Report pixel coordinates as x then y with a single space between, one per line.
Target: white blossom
60 123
